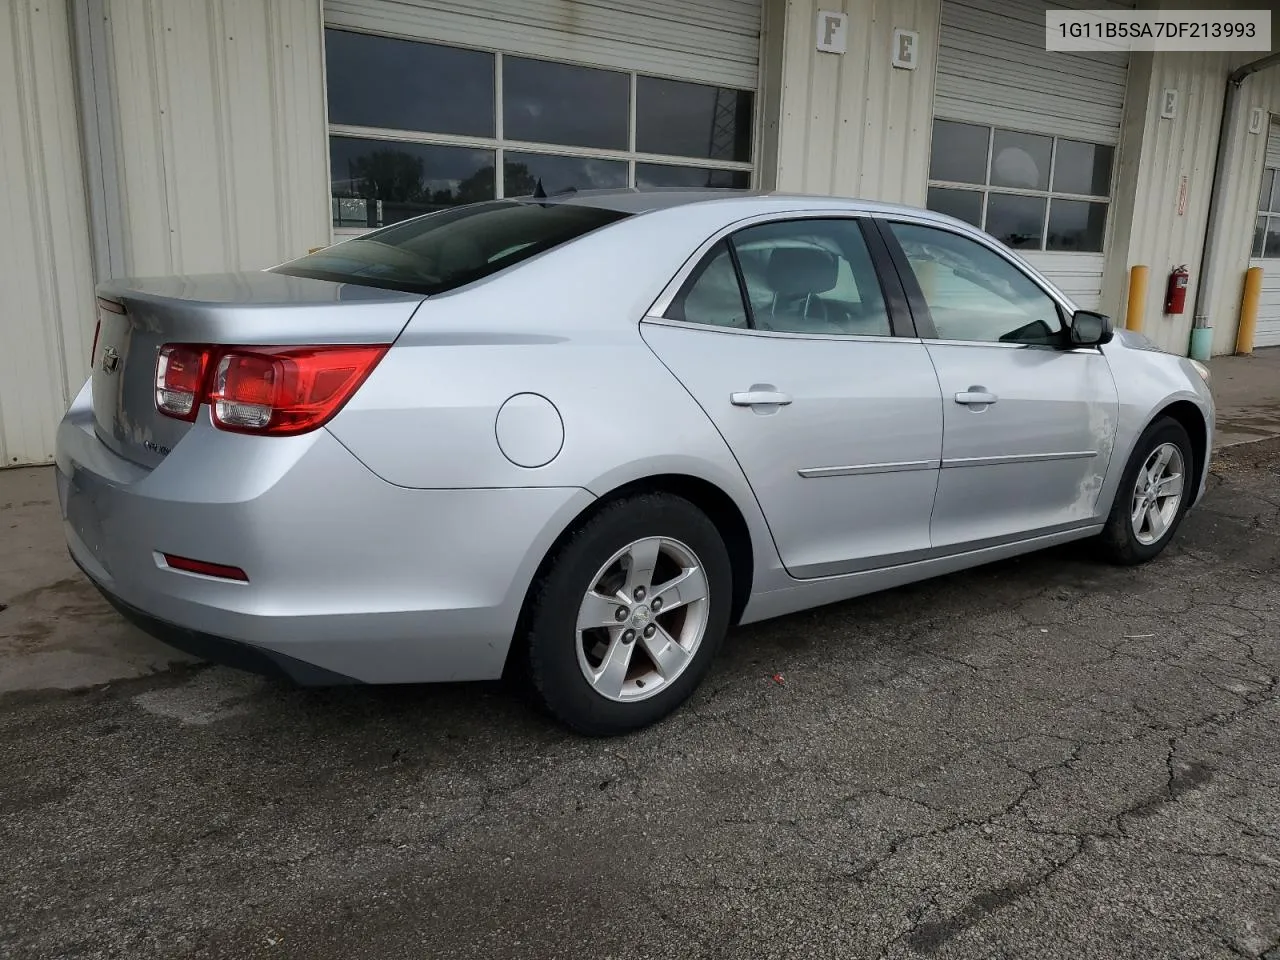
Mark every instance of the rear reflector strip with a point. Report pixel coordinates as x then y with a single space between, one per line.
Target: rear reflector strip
221 571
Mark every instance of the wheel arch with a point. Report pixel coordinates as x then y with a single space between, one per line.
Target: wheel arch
708 497
1192 419
721 510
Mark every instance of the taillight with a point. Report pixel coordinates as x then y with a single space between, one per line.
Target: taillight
271 390
93 351
180 380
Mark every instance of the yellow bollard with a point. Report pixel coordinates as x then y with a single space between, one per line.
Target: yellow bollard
1133 314
1249 310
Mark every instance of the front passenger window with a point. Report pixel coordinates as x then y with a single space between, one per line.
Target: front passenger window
974 293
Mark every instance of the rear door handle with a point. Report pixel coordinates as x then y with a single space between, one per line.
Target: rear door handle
976 396
755 398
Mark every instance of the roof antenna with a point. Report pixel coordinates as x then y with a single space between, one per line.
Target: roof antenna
538 192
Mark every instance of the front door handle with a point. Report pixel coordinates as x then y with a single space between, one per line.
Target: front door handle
759 398
976 396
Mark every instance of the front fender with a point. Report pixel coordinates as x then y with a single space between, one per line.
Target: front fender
1149 383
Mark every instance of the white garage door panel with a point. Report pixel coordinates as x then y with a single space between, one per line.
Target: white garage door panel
1267 333
1078 275
1273 145
713 41
992 69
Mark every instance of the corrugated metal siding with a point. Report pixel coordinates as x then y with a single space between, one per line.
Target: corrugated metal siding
851 124
46 324
715 41
221 138
992 68
1240 199
1156 155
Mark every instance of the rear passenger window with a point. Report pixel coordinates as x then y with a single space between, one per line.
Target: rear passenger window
812 276
800 276
712 295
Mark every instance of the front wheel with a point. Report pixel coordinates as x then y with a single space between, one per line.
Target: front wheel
1153 496
626 620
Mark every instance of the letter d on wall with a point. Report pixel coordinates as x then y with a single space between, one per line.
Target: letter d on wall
833 29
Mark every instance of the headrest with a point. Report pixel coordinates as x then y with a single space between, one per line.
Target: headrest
796 270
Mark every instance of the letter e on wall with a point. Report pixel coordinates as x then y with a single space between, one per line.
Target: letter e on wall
905 45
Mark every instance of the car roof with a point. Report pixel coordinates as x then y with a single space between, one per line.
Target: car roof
636 201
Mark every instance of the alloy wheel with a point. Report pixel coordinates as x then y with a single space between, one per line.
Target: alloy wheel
642 619
1157 493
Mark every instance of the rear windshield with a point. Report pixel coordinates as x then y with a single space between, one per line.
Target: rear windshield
448 249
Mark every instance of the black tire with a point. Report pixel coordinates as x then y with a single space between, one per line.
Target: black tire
551 638
1118 541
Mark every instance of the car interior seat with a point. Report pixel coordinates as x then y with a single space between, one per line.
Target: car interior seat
796 278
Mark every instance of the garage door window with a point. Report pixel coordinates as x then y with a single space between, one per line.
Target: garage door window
1266 229
1030 191
416 127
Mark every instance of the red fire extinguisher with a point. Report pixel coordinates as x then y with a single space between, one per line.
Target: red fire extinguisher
1175 296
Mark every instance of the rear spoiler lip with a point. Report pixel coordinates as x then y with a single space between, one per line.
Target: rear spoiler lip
274 320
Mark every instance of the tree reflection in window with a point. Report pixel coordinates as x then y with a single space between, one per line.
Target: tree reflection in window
385 182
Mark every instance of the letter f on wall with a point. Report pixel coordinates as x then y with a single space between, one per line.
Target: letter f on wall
830 35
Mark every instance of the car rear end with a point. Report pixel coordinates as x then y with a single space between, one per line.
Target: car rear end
204 496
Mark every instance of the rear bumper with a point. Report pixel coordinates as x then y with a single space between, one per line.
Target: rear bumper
220 650
350 578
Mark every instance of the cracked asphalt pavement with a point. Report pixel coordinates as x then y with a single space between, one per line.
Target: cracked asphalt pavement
1044 758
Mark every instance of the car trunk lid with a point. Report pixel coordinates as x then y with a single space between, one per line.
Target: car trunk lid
138 317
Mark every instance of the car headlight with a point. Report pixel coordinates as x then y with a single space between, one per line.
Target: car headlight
1201 369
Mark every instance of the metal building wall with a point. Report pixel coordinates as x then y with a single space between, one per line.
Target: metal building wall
1240 196
220 132
1155 153
46 325
851 124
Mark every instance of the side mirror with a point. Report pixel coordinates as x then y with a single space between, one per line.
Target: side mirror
1089 329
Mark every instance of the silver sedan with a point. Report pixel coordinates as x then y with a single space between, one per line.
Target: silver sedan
581 437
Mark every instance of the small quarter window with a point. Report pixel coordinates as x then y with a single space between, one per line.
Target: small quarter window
712 294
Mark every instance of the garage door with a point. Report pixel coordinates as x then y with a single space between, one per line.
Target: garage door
438 102
1024 144
1266 244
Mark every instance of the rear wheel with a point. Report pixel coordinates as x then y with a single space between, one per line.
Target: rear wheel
1153 496
626 620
